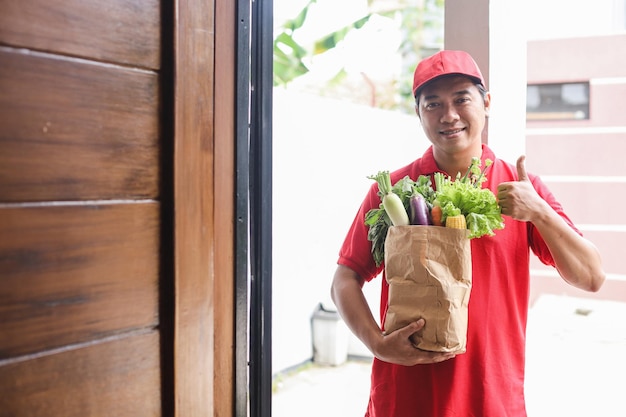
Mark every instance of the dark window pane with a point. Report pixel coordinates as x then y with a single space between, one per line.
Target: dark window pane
567 101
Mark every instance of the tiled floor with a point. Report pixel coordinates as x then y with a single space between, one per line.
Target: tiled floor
576 358
324 391
576 363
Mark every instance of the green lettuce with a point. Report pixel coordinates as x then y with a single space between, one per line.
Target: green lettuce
464 196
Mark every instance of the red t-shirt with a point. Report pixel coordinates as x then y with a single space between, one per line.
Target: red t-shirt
488 379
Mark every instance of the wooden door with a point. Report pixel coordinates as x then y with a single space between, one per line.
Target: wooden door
110 237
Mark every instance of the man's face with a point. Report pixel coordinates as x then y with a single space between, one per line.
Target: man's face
452 111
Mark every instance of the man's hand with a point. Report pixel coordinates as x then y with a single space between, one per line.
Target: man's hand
396 347
519 199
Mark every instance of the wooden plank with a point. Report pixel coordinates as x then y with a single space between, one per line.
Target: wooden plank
194 239
75 273
224 214
120 31
75 130
118 378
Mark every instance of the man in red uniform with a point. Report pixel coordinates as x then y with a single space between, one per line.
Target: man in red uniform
488 379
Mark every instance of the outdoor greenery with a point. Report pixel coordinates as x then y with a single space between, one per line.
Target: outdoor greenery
420 23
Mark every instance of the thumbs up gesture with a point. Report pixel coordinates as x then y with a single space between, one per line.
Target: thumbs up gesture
519 199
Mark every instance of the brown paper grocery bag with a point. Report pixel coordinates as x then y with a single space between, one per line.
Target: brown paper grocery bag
429 271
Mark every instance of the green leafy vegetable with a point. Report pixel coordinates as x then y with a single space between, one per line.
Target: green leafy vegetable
462 196
378 223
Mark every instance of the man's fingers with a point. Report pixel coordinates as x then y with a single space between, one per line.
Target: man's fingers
413 327
521 169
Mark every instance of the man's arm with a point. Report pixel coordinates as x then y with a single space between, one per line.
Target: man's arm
577 259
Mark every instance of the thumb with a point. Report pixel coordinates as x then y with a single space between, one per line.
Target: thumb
414 327
521 169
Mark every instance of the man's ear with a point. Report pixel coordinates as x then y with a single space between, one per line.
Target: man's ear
487 103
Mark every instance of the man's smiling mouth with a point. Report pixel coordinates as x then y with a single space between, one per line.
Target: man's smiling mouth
451 132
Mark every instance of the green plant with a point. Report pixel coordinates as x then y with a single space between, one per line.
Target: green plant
420 26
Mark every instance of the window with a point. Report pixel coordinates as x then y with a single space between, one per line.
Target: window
565 101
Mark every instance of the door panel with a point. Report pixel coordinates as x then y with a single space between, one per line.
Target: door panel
118 377
81 209
76 273
116 260
76 130
123 31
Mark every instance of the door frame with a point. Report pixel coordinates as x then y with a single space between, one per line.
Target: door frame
260 180
222 253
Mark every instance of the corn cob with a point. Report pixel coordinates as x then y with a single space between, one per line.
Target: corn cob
456 222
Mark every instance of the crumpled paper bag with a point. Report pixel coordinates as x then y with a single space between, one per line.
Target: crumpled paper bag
429 271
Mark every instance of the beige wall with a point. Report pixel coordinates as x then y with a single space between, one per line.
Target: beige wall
580 160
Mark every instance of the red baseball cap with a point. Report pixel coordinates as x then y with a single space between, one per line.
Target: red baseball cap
445 63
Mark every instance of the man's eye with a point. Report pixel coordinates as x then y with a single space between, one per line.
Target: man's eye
431 105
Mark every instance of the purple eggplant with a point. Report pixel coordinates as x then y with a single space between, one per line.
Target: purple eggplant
420 215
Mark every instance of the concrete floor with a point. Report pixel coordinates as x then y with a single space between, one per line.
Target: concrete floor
576 362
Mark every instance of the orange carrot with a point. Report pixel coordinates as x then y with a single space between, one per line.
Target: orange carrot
436 215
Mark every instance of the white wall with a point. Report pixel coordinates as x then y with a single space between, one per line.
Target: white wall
323 152
555 19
